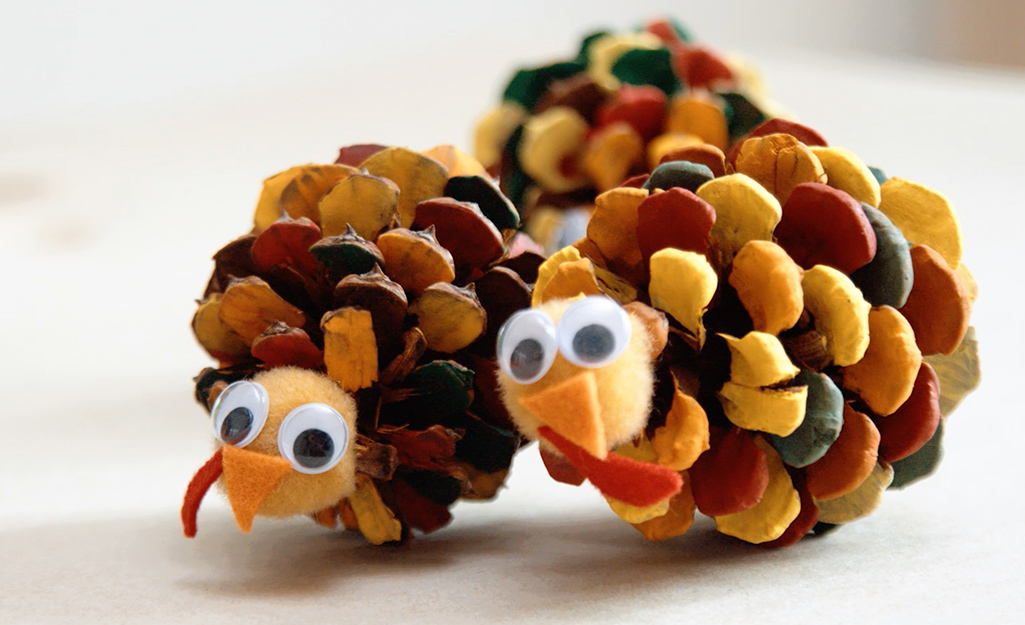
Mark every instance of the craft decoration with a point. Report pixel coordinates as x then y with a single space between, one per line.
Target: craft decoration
818 337
571 129
354 330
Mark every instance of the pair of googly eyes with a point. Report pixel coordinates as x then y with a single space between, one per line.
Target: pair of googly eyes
313 437
591 333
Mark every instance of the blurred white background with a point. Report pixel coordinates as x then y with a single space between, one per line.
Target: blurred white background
58 56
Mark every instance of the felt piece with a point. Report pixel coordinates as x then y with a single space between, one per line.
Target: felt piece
685 435
861 501
925 216
571 408
463 230
731 476
350 348
768 283
560 468
938 307
217 337
772 515
481 191
913 424
364 202
959 372
887 279
847 172
824 226
249 478
823 418
456 161
677 519
375 520
642 107
611 154
848 462
779 162
806 519
415 259
198 486
550 144
744 211
613 225
680 174
697 114
758 359
295 192
287 242
282 346
920 464
840 312
707 155
884 377
250 306
346 253
450 317
635 483
777 411
682 284
418 177
353 155
493 132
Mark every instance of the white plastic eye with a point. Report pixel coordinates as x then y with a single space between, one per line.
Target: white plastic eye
593 332
313 437
239 413
526 346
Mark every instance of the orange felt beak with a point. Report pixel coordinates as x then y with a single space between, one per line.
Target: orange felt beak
572 410
249 478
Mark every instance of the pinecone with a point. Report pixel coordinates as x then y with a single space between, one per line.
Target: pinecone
573 128
390 271
818 330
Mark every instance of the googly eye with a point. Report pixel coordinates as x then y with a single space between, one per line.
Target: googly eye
593 332
239 413
526 346
313 437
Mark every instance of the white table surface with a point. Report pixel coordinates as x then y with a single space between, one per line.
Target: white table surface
106 227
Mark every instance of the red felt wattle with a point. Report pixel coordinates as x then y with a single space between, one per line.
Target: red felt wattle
635 483
200 484
561 469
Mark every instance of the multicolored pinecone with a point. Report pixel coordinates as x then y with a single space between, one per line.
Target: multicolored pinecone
818 329
391 271
568 130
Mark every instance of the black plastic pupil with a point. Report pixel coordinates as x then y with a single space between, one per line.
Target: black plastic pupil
526 359
593 343
236 425
313 448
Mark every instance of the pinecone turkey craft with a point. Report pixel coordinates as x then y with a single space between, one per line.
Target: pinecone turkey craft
354 329
762 329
